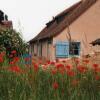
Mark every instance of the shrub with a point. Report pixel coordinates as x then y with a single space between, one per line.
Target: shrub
11 40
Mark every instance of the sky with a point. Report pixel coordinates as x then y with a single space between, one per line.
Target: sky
30 16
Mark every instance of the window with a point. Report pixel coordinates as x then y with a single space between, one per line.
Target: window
66 49
74 48
62 49
49 41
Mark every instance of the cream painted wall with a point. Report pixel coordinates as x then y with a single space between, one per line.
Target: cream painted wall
35 48
44 49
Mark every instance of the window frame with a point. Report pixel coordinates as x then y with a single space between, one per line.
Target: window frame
67 44
78 49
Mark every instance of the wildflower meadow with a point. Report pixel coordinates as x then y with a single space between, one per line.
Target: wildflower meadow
24 78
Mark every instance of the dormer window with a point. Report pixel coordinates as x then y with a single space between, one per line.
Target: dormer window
1 16
49 24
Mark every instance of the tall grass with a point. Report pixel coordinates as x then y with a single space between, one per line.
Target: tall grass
52 81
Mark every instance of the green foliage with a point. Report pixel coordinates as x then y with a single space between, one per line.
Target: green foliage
11 40
14 86
49 82
38 86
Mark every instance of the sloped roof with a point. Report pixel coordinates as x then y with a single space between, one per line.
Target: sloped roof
64 19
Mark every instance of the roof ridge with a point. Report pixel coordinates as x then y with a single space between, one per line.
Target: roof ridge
66 11
76 13
57 28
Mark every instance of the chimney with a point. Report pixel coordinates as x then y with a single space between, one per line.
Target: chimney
1 16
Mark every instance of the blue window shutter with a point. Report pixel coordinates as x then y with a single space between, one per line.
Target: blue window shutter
62 49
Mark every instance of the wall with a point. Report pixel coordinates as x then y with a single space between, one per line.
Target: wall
46 49
85 29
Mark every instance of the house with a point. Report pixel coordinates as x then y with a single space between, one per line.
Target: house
70 33
4 22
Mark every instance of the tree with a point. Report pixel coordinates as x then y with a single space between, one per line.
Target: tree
11 40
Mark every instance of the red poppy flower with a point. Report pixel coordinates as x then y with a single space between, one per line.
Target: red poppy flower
52 63
97 77
36 67
81 69
15 69
48 61
95 65
1 59
96 70
55 85
59 66
16 59
53 71
12 62
13 52
70 73
68 67
62 71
